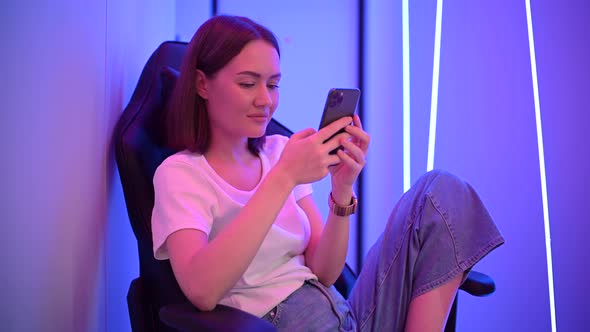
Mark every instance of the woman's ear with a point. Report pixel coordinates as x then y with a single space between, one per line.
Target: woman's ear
202 86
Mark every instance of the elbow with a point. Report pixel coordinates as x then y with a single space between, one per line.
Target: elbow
205 306
204 302
203 295
326 277
327 281
327 271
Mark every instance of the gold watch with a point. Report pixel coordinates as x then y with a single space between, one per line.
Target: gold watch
340 210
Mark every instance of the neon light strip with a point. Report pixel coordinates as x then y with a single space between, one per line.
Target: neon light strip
541 165
434 96
406 91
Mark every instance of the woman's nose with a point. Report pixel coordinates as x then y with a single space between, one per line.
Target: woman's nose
263 97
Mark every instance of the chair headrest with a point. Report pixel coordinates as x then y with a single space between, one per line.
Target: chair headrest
139 136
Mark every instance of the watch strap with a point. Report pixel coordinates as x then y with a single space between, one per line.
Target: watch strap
342 210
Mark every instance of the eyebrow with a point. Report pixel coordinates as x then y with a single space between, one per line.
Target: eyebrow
257 75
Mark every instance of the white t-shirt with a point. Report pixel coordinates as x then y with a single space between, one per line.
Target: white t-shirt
190 194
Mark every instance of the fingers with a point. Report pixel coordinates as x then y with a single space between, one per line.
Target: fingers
356 120
354 140
303 133
352 164
361 138
331 129
335 142
353 154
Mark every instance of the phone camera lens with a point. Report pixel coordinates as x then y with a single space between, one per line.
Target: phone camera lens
336 98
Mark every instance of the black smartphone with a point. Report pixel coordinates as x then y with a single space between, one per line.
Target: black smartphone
339 103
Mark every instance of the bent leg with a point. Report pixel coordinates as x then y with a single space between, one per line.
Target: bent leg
438 230
429 311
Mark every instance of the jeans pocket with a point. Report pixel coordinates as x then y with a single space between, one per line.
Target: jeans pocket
339 305
273 316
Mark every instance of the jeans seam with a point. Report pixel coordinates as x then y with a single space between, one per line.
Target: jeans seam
452 273
332 302
386 273
447 224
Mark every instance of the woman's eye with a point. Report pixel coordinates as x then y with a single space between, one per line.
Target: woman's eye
272 86
246 85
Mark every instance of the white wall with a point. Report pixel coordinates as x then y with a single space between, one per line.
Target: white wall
189 16
68 68
53 192
135 28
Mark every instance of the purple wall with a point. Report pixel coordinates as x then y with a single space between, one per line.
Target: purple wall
70 69
562 35
486 133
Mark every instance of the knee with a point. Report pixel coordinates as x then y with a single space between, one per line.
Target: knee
448 178
441 173
438 179
448 189
452 195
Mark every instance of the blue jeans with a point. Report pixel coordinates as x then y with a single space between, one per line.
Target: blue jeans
437 231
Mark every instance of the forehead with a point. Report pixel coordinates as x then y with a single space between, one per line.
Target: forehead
258 56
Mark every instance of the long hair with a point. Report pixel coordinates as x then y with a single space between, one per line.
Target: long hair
212 47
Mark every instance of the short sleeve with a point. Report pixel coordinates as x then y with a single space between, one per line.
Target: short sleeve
183 200
302 190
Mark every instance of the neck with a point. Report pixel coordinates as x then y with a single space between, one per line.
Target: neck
229 151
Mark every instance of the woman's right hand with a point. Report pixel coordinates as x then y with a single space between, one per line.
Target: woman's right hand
306 156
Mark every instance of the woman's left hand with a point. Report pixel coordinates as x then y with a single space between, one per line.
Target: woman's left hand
352 156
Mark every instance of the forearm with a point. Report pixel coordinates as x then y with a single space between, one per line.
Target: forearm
215 268
329 254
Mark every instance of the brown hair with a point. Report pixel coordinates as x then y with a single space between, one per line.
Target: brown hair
214 44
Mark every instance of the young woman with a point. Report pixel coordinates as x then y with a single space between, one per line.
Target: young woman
234 213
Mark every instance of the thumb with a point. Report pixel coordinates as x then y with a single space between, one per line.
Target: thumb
303 134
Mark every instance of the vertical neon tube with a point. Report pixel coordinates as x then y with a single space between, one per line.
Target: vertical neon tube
406 92
434 95
541 166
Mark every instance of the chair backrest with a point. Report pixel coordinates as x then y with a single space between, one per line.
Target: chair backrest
139 140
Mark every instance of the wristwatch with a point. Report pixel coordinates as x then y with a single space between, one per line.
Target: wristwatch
340 210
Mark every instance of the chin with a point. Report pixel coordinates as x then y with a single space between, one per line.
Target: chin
257 135
258 132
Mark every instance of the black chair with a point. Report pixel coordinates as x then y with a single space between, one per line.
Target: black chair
155 300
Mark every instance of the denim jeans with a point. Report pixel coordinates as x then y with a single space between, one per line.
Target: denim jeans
437 231
313 307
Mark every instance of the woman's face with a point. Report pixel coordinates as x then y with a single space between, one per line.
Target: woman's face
243 95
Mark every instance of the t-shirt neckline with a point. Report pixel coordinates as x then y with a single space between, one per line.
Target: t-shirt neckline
219 179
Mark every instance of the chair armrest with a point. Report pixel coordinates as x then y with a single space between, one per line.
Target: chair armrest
345 281
185 317
478 284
